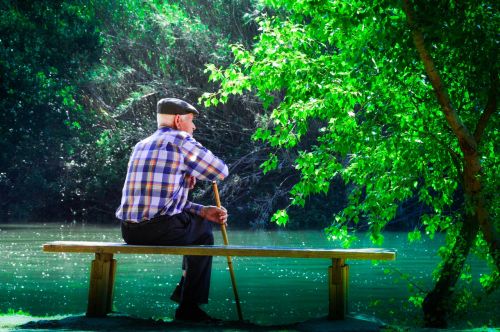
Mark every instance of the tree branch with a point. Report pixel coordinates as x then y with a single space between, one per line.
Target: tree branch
455 157
491 107
466 140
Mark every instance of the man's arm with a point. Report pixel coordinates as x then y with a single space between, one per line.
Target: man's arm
201 162
193 208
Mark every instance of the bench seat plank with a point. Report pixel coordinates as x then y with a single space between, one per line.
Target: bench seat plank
230 250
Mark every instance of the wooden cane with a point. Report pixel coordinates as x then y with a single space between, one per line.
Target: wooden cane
229 261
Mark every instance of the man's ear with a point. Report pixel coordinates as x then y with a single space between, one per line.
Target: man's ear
177 121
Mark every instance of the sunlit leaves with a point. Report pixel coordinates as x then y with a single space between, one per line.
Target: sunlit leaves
280 217
104 139
414 235
352 67
339 233
270 164
490 281
416 300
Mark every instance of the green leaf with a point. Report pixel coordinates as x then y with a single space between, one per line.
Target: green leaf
414 235
280 217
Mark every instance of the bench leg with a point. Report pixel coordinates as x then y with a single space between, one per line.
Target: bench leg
338 283
111 284
102 278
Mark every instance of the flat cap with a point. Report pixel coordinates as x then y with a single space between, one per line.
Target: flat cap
175 106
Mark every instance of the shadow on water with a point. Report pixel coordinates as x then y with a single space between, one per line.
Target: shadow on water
118 322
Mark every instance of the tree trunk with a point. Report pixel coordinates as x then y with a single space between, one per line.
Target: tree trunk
438 303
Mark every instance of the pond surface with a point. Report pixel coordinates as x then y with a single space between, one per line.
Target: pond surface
272 290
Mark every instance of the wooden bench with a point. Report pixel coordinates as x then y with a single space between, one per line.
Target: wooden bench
103 269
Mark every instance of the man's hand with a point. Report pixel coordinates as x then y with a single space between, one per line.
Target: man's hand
191 180
214 214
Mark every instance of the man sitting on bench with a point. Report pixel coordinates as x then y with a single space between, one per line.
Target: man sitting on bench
154 209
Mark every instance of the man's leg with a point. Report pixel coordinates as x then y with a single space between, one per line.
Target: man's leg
198 268
177 293
182 229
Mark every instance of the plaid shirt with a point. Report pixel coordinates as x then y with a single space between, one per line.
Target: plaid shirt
156 181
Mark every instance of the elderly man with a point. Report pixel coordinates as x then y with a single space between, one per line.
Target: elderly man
155 209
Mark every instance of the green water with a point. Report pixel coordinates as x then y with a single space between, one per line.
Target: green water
272 290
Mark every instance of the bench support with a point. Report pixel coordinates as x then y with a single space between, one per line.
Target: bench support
102 279
338 283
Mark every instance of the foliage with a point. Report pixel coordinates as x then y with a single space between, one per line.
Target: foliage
46 47
353 67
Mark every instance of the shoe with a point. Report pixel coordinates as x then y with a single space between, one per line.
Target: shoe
176 295
192 313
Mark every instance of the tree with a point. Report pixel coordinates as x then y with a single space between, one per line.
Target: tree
406 97
45 49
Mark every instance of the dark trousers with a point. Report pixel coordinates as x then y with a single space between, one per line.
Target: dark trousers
179 230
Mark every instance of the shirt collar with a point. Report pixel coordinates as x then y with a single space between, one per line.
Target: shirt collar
170 130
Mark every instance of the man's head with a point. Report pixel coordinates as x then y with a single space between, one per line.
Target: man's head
177 114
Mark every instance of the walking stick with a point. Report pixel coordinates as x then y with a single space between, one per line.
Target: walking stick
229 261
